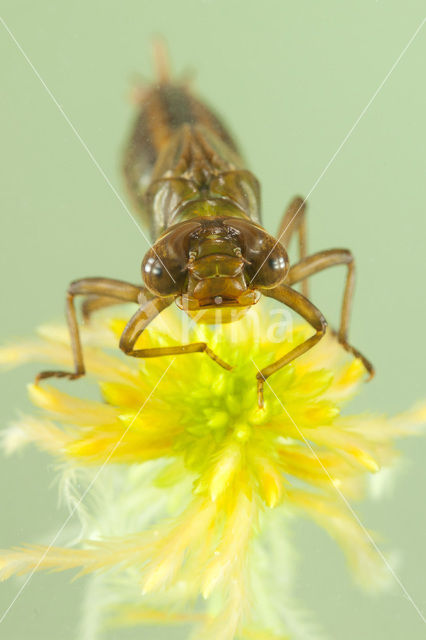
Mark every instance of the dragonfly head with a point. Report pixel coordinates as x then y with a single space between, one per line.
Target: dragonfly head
216 289
215 270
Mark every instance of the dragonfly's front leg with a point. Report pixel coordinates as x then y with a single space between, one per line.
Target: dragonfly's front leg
103 287
96 302
309 312
140 321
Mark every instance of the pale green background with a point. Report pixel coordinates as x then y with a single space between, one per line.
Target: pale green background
291 78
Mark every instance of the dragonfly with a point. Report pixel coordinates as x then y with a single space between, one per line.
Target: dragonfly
210 254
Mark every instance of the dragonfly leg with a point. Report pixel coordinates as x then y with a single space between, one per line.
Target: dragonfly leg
294 220
309 312
103 287
323 260
139 322
95 302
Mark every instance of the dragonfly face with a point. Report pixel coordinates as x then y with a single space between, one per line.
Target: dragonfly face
217 288
219 267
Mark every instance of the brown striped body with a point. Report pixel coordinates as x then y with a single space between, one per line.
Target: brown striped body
179 152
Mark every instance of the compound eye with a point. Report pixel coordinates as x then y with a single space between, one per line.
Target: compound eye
164 268
268 271
266 259
158 277
275 266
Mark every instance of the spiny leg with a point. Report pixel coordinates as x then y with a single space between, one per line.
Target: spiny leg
139 322
302 306
104 287
294 219
323 260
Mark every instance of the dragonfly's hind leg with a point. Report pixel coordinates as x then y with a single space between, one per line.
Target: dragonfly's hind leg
323 260
103 288
140 321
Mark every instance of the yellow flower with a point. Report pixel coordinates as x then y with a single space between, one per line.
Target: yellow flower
186 478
